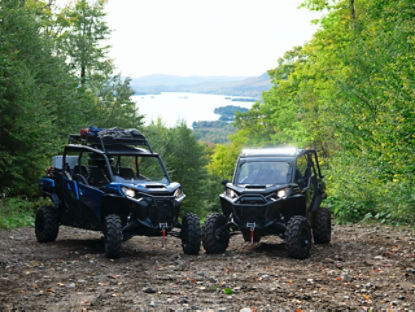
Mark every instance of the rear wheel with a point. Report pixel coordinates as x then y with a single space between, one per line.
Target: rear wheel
322 226
215 234
46 224
113 236
298 237
190 234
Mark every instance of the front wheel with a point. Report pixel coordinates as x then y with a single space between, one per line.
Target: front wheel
322 226
215 234
298 237
190 234
113 236
46 224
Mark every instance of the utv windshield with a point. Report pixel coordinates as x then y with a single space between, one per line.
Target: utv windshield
138 169
263 173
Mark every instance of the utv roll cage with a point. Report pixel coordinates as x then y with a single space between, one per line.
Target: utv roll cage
115 143
282 152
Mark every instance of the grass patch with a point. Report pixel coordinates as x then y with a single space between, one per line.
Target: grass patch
19 212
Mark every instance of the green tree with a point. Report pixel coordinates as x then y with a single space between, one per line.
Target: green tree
41 98
82 32
30 77
185 159
116 107
349 93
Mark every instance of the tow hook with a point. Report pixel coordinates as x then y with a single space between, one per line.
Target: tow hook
251 226
163 227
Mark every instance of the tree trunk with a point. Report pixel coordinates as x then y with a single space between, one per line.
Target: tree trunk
83 79
352 10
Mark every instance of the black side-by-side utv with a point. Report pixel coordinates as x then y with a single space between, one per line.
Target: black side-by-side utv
274 191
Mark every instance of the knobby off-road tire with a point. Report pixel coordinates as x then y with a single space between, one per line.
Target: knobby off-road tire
191 234
215 235
322 226
46 224
113 236
298 237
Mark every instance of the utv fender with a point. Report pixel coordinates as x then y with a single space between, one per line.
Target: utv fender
54 198
296 205
115 204
226 205
316 203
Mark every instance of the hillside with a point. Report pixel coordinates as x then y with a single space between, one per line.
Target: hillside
236 86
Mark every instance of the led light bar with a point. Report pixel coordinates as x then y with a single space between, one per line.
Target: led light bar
283 151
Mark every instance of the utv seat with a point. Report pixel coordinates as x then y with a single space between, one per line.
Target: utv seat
97 177
80 170
80 173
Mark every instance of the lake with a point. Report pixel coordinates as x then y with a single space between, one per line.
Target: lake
172 107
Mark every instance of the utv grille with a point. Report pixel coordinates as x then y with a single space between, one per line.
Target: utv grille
250 214
162 210
252 200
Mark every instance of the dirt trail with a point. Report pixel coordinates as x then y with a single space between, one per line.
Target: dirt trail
363 267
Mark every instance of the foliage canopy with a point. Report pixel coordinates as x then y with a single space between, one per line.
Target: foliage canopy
349 93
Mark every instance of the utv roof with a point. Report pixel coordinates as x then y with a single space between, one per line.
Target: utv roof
273 151
112 141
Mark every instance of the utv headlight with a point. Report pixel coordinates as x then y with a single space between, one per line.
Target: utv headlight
231 193
283 193
130 193
178 193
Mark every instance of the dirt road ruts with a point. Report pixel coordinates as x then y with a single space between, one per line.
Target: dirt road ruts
364 267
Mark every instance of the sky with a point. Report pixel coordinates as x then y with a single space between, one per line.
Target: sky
204 37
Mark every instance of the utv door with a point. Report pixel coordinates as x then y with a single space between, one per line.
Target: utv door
68 191
316 189
90 193
304 178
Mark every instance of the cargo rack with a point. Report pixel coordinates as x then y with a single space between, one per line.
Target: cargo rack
108 140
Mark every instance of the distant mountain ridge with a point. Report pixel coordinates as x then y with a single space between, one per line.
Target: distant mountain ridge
234 86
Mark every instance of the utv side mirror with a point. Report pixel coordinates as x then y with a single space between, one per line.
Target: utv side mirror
224 182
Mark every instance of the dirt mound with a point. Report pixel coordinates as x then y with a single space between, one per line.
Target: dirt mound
363 267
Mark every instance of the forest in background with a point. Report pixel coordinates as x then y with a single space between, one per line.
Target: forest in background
56 78
349 93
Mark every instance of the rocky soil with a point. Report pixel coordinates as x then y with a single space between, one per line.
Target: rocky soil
364 268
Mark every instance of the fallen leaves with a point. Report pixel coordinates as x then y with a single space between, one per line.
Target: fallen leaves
342 276
50 290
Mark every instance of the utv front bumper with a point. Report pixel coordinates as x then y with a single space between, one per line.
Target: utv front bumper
155 213
149 215
261 212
